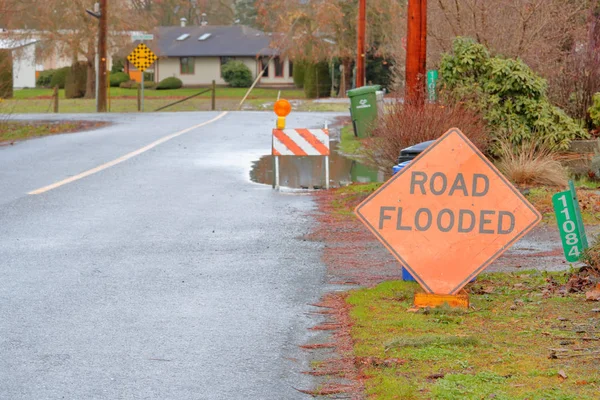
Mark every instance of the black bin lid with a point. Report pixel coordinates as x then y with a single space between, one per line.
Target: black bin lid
416 149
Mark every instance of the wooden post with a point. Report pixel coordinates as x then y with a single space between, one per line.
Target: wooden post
55 98
139 98
103 32
213 96
415 54
361 33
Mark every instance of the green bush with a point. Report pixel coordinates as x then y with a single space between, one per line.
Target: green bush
75 84
6 76
317 80
379 71
594 110
117 78
135 85
44 78
59 77
169 83
511 97
299 72
237 74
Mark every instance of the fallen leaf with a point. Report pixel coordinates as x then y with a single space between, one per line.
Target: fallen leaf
593 295
562 374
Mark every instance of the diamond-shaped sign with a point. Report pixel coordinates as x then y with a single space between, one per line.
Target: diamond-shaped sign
448 215
142 57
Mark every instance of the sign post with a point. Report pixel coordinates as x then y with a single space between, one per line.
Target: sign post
447 216
142 58
432 79
570 223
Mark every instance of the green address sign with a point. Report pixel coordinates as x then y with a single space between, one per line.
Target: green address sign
570 224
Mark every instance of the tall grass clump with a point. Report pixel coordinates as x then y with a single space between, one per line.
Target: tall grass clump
531 165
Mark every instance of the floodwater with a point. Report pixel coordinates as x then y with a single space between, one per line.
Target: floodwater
309 172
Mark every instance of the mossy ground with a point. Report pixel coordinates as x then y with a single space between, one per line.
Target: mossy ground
516 342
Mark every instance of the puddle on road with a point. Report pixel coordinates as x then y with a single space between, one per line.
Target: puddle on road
309 172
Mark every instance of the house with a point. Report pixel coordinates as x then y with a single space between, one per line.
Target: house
23 61
195 54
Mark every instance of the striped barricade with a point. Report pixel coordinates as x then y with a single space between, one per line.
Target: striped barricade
300 142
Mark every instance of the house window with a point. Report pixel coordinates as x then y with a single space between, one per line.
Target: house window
186 65
279 65
264 61
291 68
225 60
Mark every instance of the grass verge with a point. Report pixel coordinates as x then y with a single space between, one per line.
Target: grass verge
348 197
520 340
349 143
12 131
129 104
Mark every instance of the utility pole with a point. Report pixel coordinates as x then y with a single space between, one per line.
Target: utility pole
102 55
361 33
416 52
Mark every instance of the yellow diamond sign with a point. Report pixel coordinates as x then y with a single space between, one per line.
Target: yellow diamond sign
142 57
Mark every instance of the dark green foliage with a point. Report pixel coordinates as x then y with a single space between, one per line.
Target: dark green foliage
511 97
594 110
118 65
59 77
6 76
237 74
44 78
317 80
76 81
169 83
379 72
299 73
117 78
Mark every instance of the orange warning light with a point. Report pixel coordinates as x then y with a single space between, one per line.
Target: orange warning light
282 108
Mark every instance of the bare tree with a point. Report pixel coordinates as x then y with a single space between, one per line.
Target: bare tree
169 12
66 30
320 30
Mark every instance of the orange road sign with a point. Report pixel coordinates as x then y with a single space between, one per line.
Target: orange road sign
448 215
142 57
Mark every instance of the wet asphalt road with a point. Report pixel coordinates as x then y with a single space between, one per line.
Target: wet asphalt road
168 276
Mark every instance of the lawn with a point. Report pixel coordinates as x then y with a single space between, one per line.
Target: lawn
525 337
125 100
13 131
222 92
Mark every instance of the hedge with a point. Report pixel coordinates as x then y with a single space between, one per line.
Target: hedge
317 75
116 78
59 77
169 83
299 73
6 76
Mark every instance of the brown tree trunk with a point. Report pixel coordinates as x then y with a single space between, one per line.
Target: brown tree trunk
90 85
347 62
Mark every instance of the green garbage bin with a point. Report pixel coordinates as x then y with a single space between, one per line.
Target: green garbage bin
363 108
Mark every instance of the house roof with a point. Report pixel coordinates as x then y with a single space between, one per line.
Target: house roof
11 44
217 41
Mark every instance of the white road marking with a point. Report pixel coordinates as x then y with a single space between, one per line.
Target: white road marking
123 158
